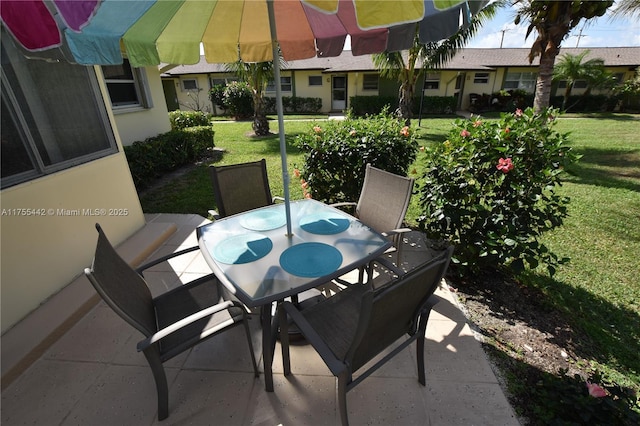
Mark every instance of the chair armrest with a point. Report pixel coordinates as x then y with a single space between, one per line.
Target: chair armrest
334 364
154 338
396 231
154 262
344 204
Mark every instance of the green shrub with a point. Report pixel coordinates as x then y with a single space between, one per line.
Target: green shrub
238 100
572 400
490 190
367 105
294 104
337 152
153 157
216 95
435 105
363 105
183 119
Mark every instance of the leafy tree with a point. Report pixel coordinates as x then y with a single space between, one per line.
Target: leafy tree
627 8
571 69
256 75
407 66
553 20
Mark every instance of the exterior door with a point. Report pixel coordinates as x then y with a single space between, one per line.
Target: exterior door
170 95
338 92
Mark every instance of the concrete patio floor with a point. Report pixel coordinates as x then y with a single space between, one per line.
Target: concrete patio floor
92 375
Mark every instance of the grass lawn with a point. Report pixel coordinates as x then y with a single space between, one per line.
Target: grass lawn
598 290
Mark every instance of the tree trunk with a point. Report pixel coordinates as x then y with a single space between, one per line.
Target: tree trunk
545 76
406 101
567 93
260 123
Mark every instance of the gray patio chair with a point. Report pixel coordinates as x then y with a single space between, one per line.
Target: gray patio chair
240 187
171 322
383 204
357 324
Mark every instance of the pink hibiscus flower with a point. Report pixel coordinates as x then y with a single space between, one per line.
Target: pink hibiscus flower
596 391
505 165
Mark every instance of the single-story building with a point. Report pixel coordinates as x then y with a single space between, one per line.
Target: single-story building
336 80
64 169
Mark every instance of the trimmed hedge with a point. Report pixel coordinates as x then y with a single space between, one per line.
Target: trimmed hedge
291 104
184 119
368 105
155 156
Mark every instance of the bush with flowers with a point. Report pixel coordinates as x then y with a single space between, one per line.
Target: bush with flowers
337 152
562 399
490 189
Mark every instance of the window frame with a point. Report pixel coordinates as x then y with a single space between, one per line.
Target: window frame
183 86
521 82
432 81
481 78
22 110
318 77
285 81
141 88
371 86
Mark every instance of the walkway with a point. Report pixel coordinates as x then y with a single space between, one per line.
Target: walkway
93 376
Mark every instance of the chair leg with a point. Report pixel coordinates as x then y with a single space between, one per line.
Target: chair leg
342 397
422 331
284 341
153 358
253 355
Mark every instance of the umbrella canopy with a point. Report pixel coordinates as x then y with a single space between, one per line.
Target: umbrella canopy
150 32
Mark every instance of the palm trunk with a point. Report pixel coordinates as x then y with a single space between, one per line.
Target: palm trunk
405 104
567 93
260 123
545 76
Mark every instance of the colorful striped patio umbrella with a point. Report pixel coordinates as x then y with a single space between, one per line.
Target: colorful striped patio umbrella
150 32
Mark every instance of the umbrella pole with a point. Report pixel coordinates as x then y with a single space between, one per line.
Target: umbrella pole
279 109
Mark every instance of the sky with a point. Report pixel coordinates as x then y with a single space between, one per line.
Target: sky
598 32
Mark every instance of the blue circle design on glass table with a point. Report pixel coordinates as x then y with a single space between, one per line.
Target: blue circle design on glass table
311 259
243 248
263 220
324 223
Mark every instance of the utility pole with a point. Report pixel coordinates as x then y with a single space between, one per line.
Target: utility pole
502 39
579 36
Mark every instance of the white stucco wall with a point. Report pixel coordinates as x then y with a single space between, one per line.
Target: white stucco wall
42 254
140 123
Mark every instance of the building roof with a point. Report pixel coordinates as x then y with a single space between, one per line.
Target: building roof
466 59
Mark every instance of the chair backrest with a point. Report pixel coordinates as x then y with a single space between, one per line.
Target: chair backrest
393 310
121 287
240 187
384 199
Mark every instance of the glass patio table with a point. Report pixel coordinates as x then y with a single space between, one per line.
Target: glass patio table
253 257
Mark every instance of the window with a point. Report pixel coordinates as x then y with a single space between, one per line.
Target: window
222 81
53 117
520 80
315 80
432 81
370 82
189 84
481 78
127 86
285 85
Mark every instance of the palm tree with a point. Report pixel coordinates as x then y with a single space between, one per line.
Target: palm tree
406 67
553 20
256 75
571 69
627 8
